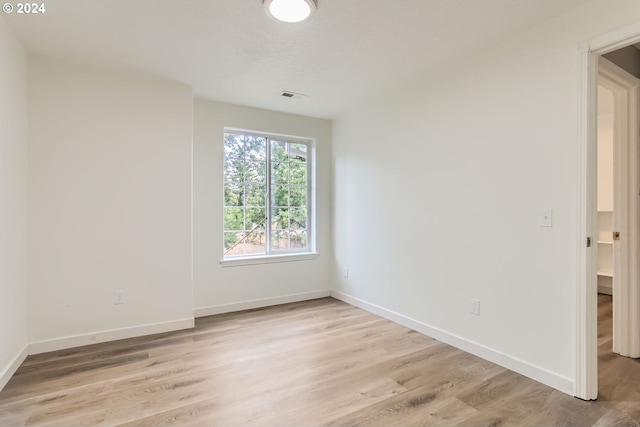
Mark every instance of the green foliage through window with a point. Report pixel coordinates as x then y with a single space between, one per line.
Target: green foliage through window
266 197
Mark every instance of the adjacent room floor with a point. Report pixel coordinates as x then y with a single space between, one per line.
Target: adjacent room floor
618 377
314 363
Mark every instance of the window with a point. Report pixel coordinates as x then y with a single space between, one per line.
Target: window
267 197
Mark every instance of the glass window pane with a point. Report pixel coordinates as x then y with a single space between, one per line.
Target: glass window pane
280 240
255 243
255 172
297 196
298 152
298 218
234 171
233 146
298 239
232 243
280 195
279 151
298 173
256 219
280 219
233 195
233 219
280 173
255 195
255 149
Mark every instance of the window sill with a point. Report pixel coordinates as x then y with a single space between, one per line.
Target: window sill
269 259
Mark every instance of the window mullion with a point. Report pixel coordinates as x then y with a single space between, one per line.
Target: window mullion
289 209
267 231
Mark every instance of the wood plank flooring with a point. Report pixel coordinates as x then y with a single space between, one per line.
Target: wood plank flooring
315 363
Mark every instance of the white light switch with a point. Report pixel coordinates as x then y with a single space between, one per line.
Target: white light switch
546 218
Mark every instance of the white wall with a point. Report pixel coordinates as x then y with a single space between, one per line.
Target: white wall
109 204
218 288
438 185
13 203
605 157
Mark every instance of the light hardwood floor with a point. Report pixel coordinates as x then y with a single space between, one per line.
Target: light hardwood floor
315 363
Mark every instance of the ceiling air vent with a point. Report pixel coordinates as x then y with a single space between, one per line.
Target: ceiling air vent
292 95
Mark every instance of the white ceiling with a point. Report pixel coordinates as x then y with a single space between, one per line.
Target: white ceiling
229 50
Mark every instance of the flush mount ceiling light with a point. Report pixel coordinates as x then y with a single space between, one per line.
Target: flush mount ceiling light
290 10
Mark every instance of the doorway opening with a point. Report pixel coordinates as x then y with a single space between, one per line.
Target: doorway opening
611 206
605 187
617 217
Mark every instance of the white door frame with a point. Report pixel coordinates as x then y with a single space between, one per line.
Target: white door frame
586 379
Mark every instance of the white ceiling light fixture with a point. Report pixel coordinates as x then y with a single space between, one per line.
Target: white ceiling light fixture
290 11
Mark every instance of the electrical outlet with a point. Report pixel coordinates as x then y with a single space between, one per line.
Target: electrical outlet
475 306
118 297
345 273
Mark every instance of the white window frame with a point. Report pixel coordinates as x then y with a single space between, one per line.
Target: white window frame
280 255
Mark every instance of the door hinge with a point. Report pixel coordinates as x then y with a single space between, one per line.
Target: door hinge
588 242
616 235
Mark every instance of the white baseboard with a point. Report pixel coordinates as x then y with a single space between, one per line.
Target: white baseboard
605 290
7 373
110 335
259 303
515 364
